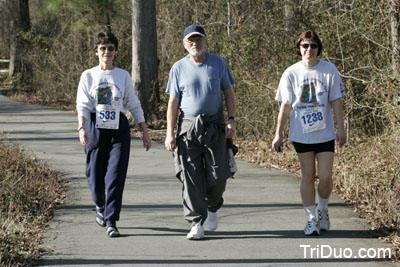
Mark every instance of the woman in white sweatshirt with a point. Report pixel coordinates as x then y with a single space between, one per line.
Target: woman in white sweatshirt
105 93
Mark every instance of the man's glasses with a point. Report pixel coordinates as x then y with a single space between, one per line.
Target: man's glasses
109 48
313 46
194 41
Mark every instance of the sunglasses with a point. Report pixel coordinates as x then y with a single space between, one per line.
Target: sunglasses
109 48
313 46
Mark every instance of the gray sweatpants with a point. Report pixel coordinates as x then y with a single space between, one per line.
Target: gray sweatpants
203 172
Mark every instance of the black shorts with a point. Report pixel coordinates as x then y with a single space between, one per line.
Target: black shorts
320 147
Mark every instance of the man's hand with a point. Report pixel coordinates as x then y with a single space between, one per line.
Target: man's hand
172 111
170 143
230 129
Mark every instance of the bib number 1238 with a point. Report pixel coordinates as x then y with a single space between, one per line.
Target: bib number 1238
312 119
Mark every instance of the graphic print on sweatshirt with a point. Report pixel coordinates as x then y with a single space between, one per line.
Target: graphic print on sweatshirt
107 106
104 94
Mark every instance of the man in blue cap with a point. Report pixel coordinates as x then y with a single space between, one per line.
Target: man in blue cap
197 85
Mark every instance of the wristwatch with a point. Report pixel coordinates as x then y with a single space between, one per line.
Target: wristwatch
232 118
81 127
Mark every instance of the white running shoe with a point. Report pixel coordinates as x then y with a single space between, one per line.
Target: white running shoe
112 231
212 221
311 228
323 220
100 216
196 233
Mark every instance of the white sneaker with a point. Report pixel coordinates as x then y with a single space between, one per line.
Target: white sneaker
323 220
212 221
100 216
196 233
311 228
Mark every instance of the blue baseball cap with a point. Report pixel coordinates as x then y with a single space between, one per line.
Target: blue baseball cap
193 30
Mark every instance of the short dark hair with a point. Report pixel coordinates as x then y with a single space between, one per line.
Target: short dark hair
311 35
105 37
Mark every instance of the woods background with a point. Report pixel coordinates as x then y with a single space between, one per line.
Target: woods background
50 43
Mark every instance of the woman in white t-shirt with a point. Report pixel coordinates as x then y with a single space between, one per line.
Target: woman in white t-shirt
308 91
105 93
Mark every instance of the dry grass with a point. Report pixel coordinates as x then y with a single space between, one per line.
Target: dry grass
24 215
368 175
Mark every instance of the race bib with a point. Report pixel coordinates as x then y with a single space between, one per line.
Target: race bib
312 119
107 117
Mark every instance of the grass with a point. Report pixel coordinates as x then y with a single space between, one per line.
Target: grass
24 215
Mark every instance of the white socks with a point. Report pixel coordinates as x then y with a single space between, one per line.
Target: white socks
310 212
323 203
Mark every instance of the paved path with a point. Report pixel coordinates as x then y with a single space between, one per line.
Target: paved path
260 225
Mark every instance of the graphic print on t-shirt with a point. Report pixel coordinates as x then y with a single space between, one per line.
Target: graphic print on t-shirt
308 92
311 110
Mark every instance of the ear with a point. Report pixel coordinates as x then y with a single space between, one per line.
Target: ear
184 45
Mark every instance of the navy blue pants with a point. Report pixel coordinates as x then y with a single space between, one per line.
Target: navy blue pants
107 158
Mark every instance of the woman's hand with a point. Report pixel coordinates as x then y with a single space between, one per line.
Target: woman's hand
341 137
83 137
277 144
146 136
146 140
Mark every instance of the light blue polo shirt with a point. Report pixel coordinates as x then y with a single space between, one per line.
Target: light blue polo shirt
200 87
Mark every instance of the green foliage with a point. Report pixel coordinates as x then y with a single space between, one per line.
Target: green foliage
86 15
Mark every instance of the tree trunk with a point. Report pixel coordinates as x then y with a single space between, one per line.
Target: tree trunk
107 9
144 55
395 32
24 17
19 24
13 52
291 17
